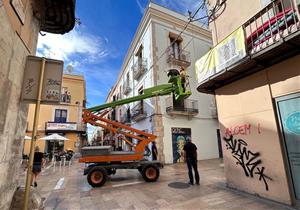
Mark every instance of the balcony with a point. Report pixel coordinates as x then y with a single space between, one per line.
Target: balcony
126 87
125 119
138 112
178 57
55 16
269 37
53 127
186 107
139 68
65 98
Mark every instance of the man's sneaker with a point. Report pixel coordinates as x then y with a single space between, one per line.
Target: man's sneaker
197 183
35 184
190 183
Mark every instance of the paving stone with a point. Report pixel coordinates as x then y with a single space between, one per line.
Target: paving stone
212 193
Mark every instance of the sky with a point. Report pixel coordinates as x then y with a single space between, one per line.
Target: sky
97 46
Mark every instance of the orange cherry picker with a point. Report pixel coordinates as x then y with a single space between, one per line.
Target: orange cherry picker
101 161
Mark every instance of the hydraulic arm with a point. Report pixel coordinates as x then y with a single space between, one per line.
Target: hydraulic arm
174 86
95 116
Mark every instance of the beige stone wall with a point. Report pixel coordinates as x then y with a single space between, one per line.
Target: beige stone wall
235 14
246 111
76 88
16 42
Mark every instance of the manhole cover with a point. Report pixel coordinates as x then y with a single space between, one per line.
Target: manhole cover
179 185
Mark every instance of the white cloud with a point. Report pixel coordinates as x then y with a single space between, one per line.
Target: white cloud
88 47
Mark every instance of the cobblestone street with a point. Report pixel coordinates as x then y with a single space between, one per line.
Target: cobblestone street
66 188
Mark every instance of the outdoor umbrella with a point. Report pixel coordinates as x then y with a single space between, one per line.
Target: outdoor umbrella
54 137
27 138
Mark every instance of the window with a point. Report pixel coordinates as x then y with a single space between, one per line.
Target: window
127 79
140 59
65 95
141 91
139 55
60 115
128 116
175 44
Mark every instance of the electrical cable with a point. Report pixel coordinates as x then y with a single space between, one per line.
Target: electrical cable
191 19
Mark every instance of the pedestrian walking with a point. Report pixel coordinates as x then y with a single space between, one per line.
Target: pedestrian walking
38 162
190 156
154 151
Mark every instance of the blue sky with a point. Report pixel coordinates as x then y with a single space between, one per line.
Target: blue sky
96 48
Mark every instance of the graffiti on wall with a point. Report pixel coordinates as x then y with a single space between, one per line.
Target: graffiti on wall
243 129
248 160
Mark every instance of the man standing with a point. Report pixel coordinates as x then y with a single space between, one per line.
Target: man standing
190 156
154 151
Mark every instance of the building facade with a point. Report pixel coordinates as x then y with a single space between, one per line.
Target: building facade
157 47
64 119
255 78
20 23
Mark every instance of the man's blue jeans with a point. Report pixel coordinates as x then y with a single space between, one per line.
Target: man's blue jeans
192 163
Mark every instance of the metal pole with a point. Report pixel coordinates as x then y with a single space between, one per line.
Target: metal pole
34 137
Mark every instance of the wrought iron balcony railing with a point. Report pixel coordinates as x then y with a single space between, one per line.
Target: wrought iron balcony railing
276 20
125 119
188 107
269 37
65 98
138 112
178 57
139 68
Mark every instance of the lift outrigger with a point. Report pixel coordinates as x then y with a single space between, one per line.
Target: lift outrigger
101 161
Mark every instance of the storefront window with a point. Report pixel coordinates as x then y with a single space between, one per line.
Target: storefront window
289 116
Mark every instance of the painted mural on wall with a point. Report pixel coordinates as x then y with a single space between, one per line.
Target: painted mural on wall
248 160
179 138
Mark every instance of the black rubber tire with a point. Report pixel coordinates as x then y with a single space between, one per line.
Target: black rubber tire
111 171
150 173
97 176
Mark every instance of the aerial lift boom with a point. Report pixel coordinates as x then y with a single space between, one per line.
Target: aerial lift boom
104 162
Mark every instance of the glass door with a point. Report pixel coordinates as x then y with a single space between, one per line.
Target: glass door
288 108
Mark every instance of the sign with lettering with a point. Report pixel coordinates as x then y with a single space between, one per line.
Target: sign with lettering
61 126
51 83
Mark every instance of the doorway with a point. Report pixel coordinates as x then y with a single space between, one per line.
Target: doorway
288 111
219 143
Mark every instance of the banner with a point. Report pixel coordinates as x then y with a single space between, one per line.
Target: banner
226 53
61 126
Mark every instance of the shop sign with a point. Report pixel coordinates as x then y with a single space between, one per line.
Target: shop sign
51 82
61 126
